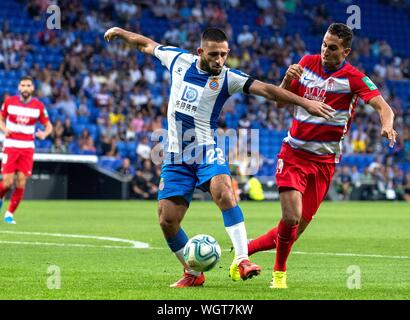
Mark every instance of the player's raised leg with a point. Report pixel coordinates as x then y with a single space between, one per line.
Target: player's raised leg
222 193
5 186
171 212
268 240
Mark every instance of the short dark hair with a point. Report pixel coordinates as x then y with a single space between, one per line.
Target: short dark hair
214 34
342 31
27 78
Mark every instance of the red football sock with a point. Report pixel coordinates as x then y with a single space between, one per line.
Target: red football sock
15 199
286 238
265 242
3 190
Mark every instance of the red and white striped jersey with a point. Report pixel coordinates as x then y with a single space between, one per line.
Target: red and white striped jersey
20 119
340 89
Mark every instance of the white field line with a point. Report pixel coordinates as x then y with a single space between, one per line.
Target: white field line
364 255
134 244
142 245
55 244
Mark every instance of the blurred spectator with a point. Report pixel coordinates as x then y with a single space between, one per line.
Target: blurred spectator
82 110
143 149
68 133
368 185
126 10
58 130
109 146
86 142
140 185
58 146
355 176
359 140
144 182
67 105
103 97
344 183
245 38
376 164
125 170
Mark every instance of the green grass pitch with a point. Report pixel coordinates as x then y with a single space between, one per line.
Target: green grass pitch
374 238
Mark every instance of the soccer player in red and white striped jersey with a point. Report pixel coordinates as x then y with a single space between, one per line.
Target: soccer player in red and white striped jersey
306 162
18 118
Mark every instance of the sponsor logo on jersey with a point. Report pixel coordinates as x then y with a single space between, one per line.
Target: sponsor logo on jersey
190 94
315 94
22 120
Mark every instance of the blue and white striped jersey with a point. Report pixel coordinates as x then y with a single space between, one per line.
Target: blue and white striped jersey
196 97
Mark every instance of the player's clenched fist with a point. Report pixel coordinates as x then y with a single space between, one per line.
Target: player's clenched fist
111 33
390 134
294 72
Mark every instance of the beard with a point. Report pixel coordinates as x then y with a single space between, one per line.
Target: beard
208 68
26 95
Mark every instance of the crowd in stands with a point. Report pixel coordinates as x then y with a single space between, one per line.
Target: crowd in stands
107 99
381 180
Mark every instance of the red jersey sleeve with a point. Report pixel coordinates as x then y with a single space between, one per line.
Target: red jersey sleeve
4 108
43 114
364 87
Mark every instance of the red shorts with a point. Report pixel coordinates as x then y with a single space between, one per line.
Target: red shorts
311 178
17 159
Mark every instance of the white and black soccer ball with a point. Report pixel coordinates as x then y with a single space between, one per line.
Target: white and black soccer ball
202 252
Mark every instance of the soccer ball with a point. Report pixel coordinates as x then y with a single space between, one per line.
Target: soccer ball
202 252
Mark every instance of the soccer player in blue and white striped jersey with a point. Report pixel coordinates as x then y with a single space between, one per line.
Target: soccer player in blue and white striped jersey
200 85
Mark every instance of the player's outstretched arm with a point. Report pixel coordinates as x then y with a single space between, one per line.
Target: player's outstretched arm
143 44
386 118
274 93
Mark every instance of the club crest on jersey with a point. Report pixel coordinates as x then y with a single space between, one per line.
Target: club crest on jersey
22 119
330 84
214 84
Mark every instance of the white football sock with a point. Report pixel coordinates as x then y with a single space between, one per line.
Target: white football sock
239 239
8 214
